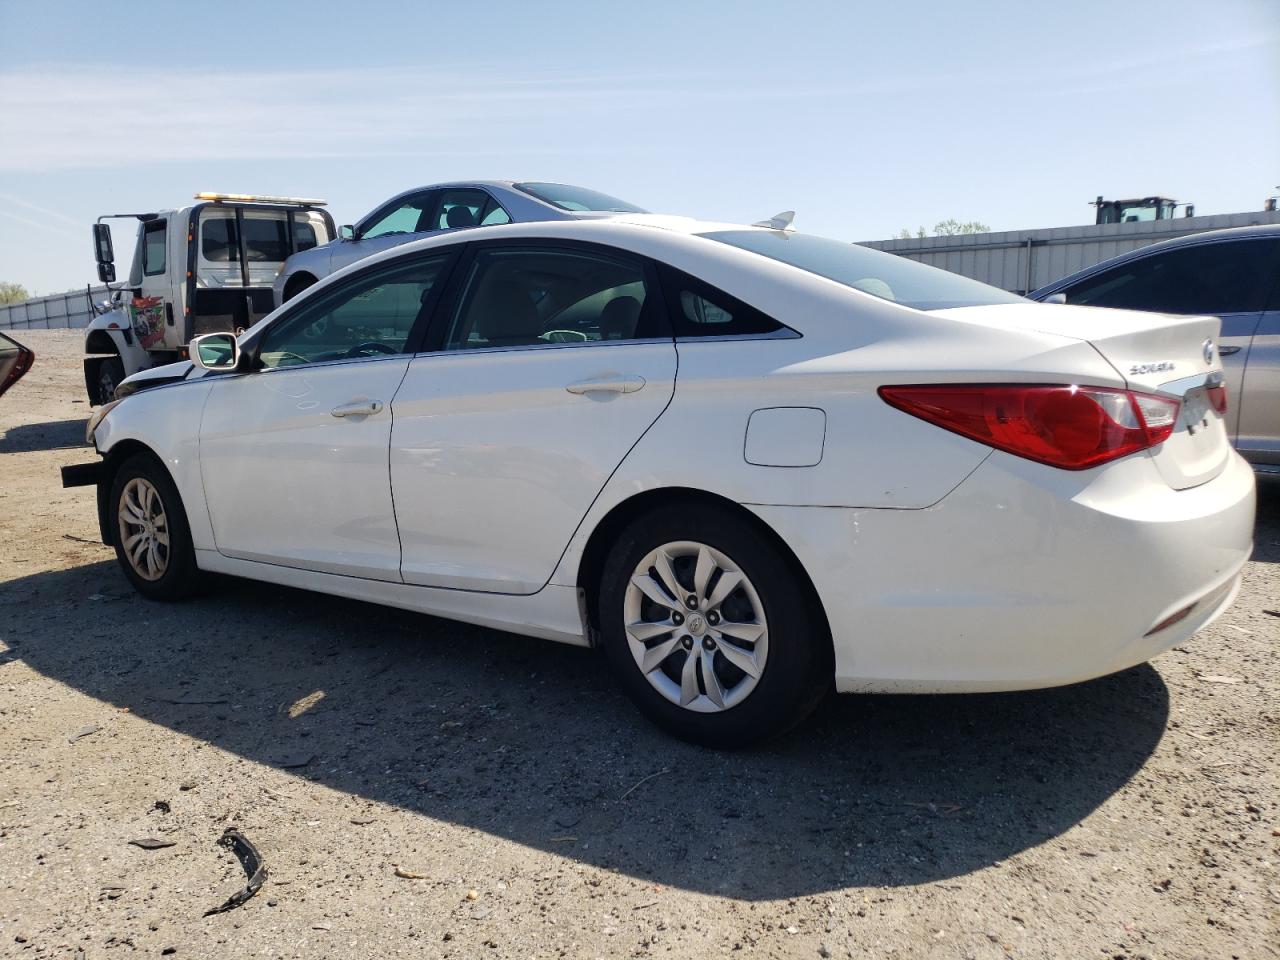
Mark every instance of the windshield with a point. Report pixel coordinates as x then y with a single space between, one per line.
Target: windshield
577 199
883 275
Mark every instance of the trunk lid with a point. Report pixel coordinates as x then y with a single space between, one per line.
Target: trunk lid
1153 353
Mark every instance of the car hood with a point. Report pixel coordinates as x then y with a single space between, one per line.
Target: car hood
157 377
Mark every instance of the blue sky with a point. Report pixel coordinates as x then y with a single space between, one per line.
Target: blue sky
865 118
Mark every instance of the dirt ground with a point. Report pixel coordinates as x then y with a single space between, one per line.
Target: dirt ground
1134 816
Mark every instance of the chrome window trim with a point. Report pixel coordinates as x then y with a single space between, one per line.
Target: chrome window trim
330 363
464 351
783 333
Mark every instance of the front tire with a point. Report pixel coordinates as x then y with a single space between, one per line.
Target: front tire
296 285
709 627
149 529
110 373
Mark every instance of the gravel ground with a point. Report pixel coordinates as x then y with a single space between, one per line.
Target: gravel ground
535 812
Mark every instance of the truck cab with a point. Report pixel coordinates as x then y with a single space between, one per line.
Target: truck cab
204 268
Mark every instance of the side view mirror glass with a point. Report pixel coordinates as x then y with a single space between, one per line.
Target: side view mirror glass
215 351
347 232
102 249
106 273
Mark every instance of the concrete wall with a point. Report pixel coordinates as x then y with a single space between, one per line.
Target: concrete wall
59 310
1024 260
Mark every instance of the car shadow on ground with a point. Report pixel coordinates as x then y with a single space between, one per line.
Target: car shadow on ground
530 741
54 435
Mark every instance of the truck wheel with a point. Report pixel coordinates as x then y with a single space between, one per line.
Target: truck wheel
149 530
110 373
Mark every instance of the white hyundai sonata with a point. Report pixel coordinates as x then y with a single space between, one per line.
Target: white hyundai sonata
745 461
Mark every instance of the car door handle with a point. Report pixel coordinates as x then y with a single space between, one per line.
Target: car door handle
620 383
358 408
1227 351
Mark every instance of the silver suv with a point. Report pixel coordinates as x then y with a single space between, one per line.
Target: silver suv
423 211
1232 274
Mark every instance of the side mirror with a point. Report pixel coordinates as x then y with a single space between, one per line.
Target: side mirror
106 273
1056 298
347 232
102 249
215 351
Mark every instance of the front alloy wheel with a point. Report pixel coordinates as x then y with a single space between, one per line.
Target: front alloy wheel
696 627
149 530
144 529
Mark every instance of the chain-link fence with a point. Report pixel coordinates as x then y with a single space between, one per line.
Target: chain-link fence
58 310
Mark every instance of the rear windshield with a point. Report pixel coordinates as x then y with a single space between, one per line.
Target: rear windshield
264 240
880 274
577 199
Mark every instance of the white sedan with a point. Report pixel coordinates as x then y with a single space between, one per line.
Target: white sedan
746 462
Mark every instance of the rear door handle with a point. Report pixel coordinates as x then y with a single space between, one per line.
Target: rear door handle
358 408
619 383
1227 351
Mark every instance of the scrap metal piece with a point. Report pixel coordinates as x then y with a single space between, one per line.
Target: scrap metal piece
254 869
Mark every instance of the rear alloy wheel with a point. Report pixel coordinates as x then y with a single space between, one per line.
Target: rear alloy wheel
709 627
149 529
699 636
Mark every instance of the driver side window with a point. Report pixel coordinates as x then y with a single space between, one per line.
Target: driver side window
410 215
369 316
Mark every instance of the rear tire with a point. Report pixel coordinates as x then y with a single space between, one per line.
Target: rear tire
110 373
744 614
149 529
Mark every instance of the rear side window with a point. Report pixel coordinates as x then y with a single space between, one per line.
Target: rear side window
467 208
264 240
1213 278
153 248
539 296
698 309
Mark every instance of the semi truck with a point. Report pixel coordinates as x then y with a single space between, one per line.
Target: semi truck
206 267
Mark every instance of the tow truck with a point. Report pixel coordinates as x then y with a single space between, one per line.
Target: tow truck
203 268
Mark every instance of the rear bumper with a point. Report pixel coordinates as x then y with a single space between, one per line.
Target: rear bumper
1024 576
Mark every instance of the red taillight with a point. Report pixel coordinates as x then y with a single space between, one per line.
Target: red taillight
1064 426
1218 397
20 366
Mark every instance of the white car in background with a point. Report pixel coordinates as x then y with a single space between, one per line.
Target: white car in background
747 462
423 211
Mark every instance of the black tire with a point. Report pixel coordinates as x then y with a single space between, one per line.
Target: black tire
296 285
797 671
180 574
110 373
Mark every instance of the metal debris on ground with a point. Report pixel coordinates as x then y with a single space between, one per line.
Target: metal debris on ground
152 843
644 781
83 732
253 866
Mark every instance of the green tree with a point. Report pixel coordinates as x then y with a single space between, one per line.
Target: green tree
905 234
952 227
12 292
